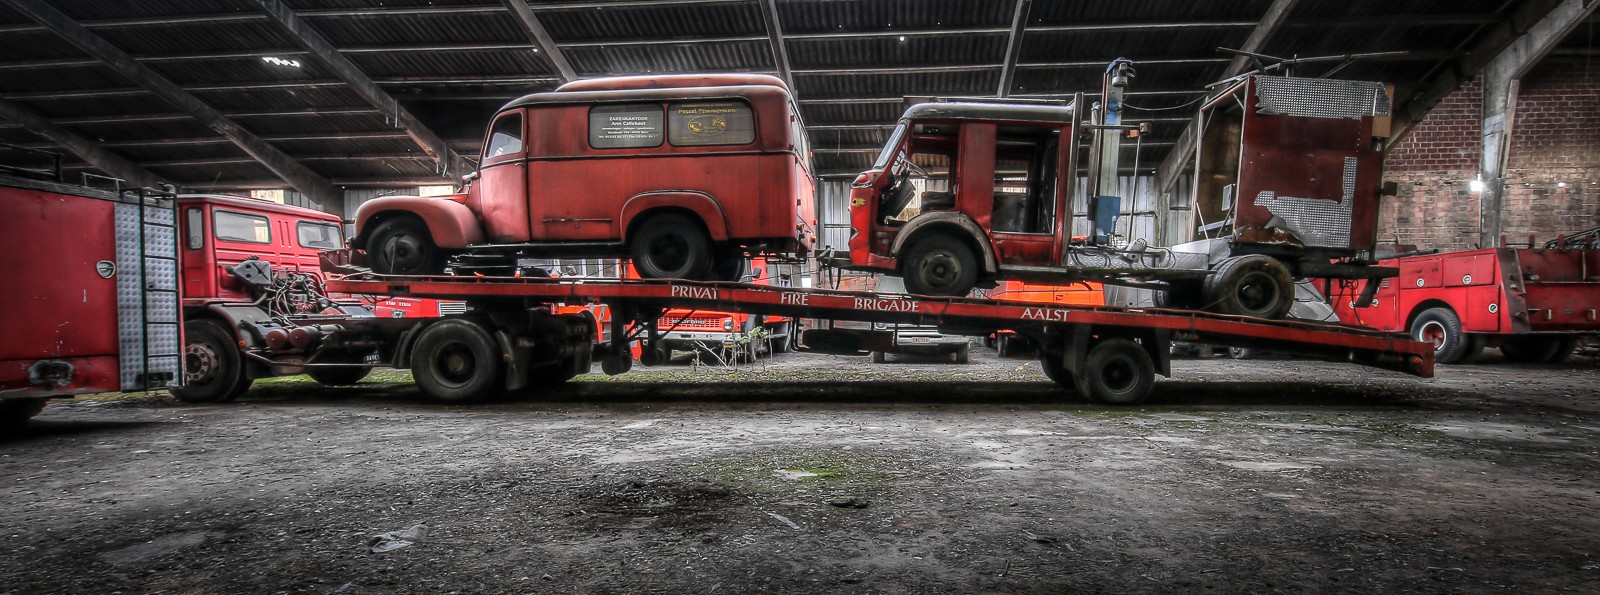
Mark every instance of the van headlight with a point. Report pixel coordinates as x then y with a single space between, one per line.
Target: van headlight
727 324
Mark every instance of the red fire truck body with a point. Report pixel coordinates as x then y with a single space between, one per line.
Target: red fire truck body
91 303
686 173
725 331
1532 303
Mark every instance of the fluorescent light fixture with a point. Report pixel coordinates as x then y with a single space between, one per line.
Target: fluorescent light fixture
276 61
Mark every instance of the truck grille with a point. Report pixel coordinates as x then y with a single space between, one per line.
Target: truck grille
711 323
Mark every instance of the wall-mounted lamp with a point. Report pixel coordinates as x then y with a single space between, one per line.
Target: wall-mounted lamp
1476 185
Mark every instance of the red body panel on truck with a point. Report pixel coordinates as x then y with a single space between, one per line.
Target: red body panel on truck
1534 304
687 174
91 303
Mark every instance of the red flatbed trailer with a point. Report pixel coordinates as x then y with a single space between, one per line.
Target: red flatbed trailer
1110 355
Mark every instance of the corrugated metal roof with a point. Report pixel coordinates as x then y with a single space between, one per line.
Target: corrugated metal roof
453 62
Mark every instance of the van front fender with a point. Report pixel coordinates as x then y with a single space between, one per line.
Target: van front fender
700 203
953 223
450 223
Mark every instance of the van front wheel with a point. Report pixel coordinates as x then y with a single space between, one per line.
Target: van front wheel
403 247
671 247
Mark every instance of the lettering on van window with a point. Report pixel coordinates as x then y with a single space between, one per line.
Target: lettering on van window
625 126
711 123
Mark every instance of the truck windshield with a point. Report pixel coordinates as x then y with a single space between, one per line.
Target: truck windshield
889 148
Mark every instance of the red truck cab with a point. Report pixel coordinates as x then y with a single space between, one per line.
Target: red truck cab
687 174
220 231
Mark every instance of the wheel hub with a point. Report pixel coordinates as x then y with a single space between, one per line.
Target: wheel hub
1432 332
200 363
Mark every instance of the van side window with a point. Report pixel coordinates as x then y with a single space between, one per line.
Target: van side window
194 232
239 227
625 126
506 136
322 236
700 123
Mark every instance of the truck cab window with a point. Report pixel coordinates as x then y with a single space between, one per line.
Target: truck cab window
1024 179
194 229
239 227
506 137
322 236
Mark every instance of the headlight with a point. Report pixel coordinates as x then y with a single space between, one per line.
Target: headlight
727 324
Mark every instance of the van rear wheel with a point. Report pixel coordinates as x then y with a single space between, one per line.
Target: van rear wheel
671 246
404 247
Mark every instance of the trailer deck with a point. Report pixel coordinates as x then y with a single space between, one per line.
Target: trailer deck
1066 337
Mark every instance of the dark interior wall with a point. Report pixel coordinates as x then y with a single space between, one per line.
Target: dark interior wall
1553 173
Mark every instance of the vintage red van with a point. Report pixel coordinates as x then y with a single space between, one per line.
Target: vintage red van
687 174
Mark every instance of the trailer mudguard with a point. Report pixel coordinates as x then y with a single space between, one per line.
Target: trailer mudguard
947 219
701 204
450 223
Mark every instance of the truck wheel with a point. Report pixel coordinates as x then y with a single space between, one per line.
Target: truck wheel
456 361
1241 353
15 412
212 369
1179 294
728 266
879 357
940 265
962 355
671 247
1254 285
1117 372
1536 350
655 356
1056 370
1564 349
785 343
338 376
1442 328
403 247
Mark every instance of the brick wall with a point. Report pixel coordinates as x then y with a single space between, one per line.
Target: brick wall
1552 178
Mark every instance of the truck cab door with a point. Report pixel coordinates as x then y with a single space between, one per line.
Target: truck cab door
1022 220
502 193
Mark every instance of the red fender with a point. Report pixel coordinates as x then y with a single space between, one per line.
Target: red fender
451 223
707 208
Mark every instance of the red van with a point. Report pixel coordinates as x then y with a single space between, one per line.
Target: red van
687 174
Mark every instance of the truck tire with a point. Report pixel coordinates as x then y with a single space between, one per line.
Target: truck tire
670 246
1117 372
1056 370
338 376
404 247
1537 350
1179 294
457 361
939 265
879 357
15 412
212 368
1253 285
1442 328
963 354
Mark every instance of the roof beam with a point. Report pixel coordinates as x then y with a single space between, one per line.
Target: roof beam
780 53
1410 110
95 154
542 42
449 164
1172 167
307 182
1008 68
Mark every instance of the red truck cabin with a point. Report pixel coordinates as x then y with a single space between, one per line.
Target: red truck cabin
220 231
1259 141
985 174
688 174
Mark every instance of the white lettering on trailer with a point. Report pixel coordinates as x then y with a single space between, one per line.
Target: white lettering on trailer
697 293
873 305
793 299
1045 314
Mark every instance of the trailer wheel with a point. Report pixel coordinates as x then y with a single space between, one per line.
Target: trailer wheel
1538 350
670 246
940 265
1117 372
1253 285
338 376
1442 328
456 361
1056 370
212 369
403 247
15 412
